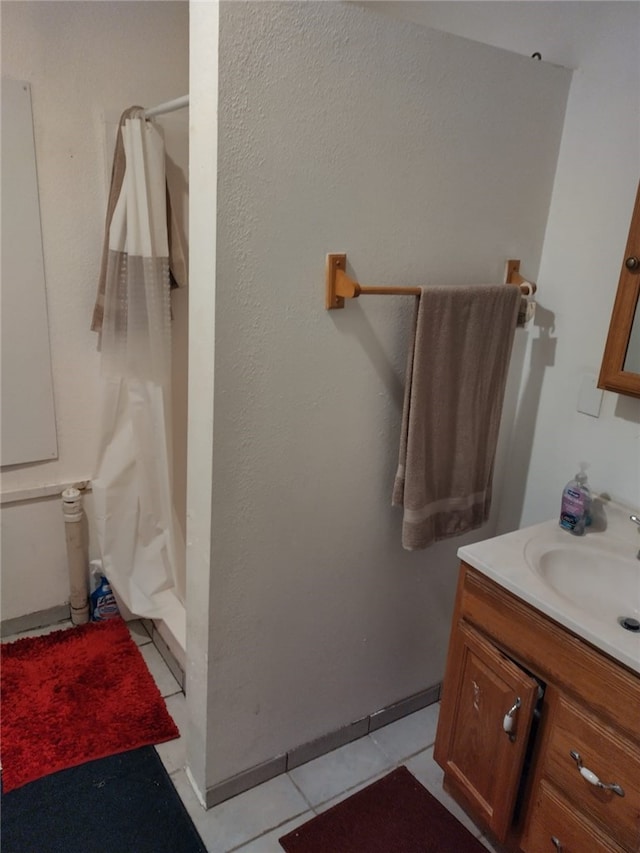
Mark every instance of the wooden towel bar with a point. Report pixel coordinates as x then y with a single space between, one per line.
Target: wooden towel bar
340 286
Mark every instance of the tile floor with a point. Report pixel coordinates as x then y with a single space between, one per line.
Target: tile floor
253 821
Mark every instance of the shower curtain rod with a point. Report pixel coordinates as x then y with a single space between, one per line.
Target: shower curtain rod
168 107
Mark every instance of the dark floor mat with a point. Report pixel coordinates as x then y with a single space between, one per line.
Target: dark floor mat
125 803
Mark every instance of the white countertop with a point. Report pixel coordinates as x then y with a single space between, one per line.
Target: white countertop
507 560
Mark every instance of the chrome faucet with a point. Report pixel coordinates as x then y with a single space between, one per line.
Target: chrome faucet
636 520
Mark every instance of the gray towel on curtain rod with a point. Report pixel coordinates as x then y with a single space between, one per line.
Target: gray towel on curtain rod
456 376
177 254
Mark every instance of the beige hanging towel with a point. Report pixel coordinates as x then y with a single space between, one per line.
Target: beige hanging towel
456 376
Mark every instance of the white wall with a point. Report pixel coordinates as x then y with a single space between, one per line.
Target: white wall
203 161
593 196
412 151
83 59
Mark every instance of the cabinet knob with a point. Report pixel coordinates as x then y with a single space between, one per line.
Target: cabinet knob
556 843
509 719
632 263
591 777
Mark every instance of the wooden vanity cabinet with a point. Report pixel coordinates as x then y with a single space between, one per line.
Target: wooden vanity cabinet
522 697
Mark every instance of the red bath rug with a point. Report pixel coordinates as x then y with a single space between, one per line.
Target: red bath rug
73 696
396 813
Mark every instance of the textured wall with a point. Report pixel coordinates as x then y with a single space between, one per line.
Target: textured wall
83 59
593 196
428 159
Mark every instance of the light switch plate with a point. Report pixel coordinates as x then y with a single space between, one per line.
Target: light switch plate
590 396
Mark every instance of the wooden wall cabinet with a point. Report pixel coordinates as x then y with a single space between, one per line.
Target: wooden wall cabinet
525 705
620 370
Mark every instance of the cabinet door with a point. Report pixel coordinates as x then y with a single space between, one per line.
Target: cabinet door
481 758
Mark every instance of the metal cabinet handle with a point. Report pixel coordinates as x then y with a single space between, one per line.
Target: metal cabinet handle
509 719
591 777
556 843
632 263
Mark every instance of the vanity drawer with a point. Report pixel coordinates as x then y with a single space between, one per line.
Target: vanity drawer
612 758
556 827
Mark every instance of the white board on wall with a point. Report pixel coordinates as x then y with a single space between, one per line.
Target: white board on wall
28 427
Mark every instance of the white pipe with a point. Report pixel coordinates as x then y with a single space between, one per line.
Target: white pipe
48 490
168 107
77 555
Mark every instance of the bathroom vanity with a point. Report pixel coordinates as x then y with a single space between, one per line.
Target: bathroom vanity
539 732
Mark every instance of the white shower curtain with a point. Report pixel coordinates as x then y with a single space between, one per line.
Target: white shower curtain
139 537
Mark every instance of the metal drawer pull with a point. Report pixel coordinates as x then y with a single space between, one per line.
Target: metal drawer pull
591 777
509 717
556 843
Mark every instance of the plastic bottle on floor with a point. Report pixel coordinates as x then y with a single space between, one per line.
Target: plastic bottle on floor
102 599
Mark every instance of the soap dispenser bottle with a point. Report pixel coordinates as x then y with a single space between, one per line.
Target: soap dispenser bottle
576 505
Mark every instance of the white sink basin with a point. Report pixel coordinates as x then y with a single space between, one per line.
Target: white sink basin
601 579
586 583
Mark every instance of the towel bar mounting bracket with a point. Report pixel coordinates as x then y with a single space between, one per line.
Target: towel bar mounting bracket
335 282
340 286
